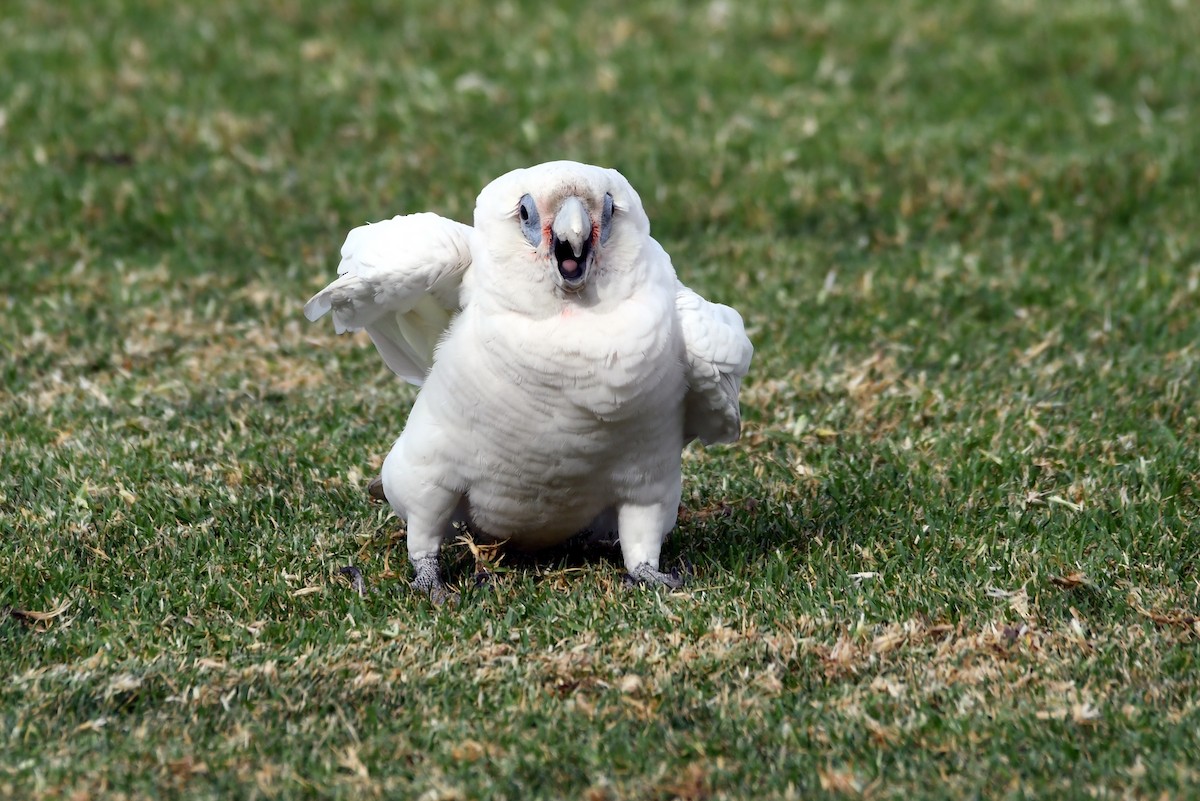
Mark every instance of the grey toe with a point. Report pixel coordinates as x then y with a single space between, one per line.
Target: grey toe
644 574
356 578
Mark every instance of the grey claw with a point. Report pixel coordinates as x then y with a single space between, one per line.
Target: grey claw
443 596
375 489
356 579
644 574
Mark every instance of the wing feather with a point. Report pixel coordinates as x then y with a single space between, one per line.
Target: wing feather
400 280
718 357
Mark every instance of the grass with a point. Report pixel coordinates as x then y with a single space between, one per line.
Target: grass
954 555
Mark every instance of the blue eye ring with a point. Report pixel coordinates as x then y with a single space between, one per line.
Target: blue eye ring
606 218
531 222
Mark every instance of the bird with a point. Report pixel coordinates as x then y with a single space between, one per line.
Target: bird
563 367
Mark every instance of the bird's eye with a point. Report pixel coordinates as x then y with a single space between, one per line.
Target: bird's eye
531 224
606 219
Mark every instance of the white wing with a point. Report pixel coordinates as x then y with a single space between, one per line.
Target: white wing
400 280
718 356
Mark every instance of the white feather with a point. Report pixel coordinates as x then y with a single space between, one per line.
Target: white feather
718 357
400 280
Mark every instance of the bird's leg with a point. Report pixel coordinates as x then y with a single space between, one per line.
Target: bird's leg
428 527
642 530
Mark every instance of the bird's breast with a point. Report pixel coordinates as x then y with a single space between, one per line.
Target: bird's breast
605 363
551 417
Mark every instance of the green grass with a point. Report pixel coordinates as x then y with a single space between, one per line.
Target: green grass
954 555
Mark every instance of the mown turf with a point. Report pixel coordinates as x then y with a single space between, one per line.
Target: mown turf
955 553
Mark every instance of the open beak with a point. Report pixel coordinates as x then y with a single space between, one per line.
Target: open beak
571 242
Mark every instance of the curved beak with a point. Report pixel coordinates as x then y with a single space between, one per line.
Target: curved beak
571 242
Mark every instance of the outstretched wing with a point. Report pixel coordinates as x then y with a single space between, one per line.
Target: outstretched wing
400 281
718 356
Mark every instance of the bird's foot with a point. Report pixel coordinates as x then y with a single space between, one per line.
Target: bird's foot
428 580
644 574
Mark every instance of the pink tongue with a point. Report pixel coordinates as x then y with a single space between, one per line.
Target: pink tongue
570 266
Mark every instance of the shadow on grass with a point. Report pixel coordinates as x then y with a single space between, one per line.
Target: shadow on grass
721 538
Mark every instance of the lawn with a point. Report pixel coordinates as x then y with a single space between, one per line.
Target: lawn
955 553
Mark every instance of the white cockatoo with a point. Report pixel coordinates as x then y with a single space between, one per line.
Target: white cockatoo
563 366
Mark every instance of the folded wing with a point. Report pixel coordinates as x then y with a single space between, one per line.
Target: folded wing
718 356
400 280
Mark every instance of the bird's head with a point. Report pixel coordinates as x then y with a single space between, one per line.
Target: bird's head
562 228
